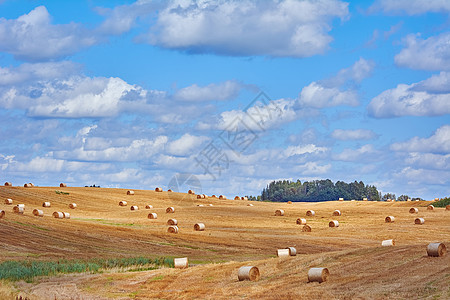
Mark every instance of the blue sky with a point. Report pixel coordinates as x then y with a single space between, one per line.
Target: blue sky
238 93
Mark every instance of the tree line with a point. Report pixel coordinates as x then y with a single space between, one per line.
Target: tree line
317 190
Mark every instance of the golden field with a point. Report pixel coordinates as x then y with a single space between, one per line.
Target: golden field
236 235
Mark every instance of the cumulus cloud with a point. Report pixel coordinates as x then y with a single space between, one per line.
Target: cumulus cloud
74 97
306 149
222 91
438 143
362 154
353 134
32 72
330 92
423 176
428 161
136 150
259 117
186 144
32 37
426 98
411 7
243 28
425 54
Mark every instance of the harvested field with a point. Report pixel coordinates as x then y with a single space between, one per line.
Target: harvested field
237 235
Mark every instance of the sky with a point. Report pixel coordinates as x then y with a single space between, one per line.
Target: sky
229 95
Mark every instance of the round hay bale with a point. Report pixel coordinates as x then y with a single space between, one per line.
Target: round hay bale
123 203
72 205
213 196
333 223
337 212
58 215
148 206
248 273
249 204
289 202
46 204
387 243
172 222
244 198
134 207
237 198
169 190
8 201
8 183
306 228
210 204
130 192
310 213
447 207
170 210
158 189
200 205
436 249
204 196
413 210
181 263
152 216
62 185
389 219
21 205
199 196
279 212
19 209
341 199
364 199
292 251
318 274
301 221
430 207
28 185
191 192
38 212
419 221
283 253
66 215
222 197
2 214
172 229
199 227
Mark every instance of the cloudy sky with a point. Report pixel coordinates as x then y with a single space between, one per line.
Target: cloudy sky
238 93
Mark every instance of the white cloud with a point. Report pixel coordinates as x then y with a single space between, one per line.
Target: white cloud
48 164
137 150
356 134
438 143
363 154
317 96
32 37
428 54
428 161
329 92
31 72
299 150
186 144
423 176
74 97
223 91
426 98
312 168
272 28
411 7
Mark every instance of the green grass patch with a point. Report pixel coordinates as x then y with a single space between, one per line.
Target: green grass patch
156 278
61 193
27 270
31 225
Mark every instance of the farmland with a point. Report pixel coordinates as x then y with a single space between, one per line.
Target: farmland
236 235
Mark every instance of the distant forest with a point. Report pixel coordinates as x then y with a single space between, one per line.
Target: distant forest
317 190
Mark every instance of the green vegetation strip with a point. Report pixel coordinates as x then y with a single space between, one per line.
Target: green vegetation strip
442 203
27 270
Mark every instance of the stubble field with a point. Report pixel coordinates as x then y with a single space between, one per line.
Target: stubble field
236 235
